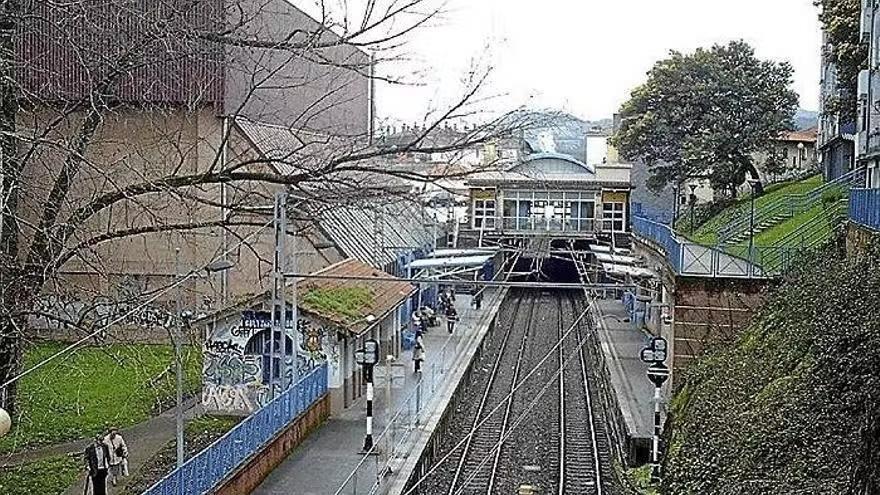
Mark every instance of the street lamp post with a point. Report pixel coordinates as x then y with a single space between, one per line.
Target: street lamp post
752 184
693 201
177 337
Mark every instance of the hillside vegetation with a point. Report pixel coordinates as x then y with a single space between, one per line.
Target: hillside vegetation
794 406
709 220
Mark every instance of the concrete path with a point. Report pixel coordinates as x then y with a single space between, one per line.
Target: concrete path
622 344
144 441
328 456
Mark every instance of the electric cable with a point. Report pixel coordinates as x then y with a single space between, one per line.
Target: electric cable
525 379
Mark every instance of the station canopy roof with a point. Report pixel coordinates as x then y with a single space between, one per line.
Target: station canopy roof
450 262
598 248
614 269
453 253
615 258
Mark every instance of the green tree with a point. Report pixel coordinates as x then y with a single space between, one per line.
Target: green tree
840 19
705 114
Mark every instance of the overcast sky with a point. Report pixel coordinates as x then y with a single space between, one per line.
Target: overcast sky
585 56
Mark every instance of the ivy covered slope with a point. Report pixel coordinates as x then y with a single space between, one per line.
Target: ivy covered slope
794 405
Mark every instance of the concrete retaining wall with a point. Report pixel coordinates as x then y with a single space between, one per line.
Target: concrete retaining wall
248 477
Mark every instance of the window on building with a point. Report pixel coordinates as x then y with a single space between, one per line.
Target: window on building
540 210
484 214
613 217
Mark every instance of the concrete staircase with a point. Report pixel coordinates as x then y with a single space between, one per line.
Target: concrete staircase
769 215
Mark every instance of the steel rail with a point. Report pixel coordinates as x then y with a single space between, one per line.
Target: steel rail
513 386
561 336
478 417
589 404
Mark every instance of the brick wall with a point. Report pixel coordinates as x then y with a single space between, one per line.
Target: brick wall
858 237
711 311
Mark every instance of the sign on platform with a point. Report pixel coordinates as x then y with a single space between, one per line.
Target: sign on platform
398 375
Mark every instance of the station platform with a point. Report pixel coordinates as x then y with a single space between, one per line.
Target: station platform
621 344
331 461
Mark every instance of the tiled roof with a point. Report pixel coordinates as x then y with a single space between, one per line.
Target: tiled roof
385 294
805 136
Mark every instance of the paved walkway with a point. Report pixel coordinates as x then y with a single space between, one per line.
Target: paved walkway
622 344
144 441
323 462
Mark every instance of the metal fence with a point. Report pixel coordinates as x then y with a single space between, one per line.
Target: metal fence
864 207
393 443
203 472
696 260
692 259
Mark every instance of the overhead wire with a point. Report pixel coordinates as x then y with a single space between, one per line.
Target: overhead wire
508 396
522 416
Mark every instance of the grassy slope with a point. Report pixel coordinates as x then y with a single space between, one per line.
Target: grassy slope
791 407
77 395
706 233
43 477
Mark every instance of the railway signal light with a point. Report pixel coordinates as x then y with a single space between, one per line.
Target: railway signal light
368 356
658 373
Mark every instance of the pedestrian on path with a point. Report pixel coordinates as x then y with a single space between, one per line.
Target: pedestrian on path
118 455
98 463
416 321
478 298
418 352
451 318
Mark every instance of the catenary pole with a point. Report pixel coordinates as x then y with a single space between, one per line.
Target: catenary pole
178 362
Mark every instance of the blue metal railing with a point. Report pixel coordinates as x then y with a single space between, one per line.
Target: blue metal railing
864 207
661 235
203 472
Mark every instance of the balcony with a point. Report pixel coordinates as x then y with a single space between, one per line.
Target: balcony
864 207
543 224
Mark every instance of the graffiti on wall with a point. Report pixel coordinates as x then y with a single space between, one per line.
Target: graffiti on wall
244 398
231 369
236 354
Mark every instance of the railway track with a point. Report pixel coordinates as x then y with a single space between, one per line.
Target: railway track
579 447
478 464
530 414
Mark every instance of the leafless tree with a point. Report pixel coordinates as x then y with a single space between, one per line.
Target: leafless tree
122 131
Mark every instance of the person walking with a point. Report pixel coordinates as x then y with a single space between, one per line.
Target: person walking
418 352
97 457
416 321
118 455
451 318
478 298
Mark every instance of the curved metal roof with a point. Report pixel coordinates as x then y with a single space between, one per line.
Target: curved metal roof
549 155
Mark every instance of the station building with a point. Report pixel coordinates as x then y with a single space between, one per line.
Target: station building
550 195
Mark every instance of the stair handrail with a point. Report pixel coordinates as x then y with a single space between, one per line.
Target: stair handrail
804 237
796 203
